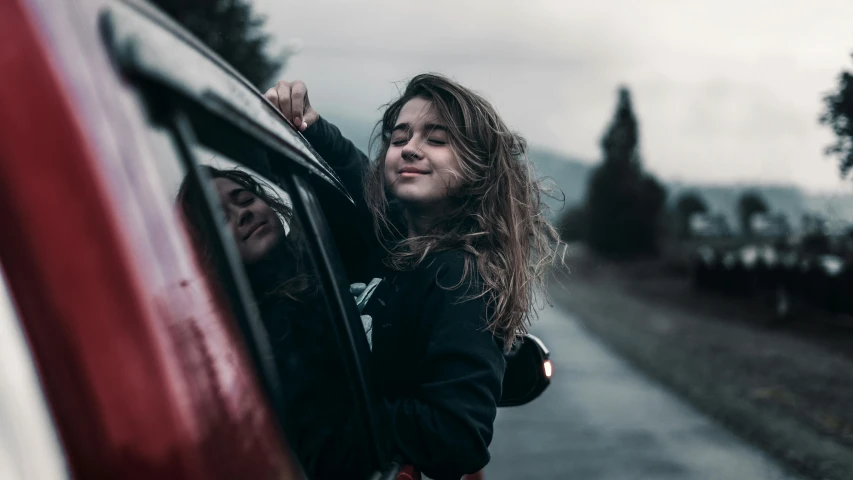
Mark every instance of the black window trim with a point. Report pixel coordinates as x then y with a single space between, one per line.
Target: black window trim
336 283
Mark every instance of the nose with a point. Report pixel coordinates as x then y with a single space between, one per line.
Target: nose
245 216
411 151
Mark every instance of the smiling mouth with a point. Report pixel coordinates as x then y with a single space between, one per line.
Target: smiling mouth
412 173
254 229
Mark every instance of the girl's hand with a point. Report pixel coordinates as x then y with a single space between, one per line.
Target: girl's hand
291 98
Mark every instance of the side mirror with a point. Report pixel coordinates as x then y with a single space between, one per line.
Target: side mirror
528 372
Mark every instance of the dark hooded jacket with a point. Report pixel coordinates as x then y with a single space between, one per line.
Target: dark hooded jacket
437 369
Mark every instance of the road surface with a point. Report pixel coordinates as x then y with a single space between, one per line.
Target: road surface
602 420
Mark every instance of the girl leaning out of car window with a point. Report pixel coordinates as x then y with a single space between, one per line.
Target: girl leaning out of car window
464 245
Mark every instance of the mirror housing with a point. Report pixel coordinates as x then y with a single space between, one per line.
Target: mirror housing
528 372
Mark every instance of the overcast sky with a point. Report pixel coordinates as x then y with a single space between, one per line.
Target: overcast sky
725 90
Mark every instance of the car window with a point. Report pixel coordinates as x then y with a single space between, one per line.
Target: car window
253 221
247 190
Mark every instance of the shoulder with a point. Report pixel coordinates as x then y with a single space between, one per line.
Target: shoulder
453 285
452 268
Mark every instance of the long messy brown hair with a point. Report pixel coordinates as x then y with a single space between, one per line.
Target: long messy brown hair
497 216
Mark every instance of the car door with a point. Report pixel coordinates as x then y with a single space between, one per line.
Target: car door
141 370
150 354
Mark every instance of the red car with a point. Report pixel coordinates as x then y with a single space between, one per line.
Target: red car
120 356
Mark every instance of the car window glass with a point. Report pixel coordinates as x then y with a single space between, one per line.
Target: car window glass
255 219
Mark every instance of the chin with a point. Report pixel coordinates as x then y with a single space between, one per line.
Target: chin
263 247
408 194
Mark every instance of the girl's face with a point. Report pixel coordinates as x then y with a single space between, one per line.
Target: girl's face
421 169
256 227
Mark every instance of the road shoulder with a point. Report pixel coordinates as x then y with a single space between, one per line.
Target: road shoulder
785 395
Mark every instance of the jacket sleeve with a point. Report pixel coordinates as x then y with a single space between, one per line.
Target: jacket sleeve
444 428
350 163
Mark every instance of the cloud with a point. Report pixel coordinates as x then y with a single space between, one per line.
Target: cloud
724 89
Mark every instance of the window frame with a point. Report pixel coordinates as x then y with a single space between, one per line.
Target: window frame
344 314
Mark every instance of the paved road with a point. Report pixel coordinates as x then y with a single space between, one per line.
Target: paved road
602 420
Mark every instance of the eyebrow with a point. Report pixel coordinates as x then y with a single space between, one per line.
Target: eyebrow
433 127
430 127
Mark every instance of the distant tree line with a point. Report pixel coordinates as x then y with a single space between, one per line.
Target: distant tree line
750 204
687 205
622 212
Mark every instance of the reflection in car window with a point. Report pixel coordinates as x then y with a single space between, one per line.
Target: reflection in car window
319 406
219 383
